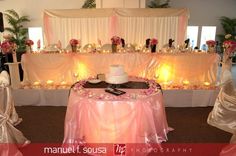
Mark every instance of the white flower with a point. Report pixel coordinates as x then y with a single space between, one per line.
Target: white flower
228 36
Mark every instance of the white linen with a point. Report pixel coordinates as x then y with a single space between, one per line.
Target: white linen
135 25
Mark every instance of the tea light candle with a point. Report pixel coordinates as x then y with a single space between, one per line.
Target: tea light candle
49 82
63 83
165 84
207 84
186 82
36 83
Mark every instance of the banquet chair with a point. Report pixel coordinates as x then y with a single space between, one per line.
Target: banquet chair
223 115
10 137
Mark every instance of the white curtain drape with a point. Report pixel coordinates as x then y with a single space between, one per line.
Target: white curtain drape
134 25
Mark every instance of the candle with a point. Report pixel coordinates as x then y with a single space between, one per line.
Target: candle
165 85
186 82
63 83
36 83
207 84
49 82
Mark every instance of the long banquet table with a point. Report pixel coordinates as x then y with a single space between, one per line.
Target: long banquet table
170 67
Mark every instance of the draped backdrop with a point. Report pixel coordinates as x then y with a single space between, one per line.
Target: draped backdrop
134 25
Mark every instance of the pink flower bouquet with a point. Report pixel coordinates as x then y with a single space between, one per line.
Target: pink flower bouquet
74 42
116 40
230 46
6 47
29 42
211 43
154 41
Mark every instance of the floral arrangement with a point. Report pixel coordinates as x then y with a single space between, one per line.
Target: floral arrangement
6 46
74 42
230 46
116 40
29 42
211 43
154 41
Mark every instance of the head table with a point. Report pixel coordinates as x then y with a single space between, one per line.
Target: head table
95 116
195 67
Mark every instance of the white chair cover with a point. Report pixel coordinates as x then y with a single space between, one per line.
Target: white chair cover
223 115
10 137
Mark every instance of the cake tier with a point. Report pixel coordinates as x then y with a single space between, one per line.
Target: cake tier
117 79
116 70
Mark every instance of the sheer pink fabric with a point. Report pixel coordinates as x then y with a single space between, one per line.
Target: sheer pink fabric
105 120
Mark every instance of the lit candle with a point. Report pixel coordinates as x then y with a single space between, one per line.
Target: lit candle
49 82
63 83
186 82
36 83
207 84
165 84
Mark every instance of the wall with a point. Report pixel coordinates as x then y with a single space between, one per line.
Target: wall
34 8
207 12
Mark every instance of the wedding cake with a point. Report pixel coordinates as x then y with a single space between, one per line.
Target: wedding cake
116 75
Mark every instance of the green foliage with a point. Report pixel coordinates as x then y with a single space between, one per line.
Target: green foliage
158 4
229 26
89 4
16 29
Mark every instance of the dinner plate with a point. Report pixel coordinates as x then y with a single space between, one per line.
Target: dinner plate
94 81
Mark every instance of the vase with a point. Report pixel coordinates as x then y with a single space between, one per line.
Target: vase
211 49
28 49
74 48
153 48
14 57
114 48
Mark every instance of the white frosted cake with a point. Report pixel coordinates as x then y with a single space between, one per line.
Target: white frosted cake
116 75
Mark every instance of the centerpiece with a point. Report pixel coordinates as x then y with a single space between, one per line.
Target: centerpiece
115 41
211 44
8 47
153 44
74 43
29 44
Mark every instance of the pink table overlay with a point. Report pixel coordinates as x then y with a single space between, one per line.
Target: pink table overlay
94 116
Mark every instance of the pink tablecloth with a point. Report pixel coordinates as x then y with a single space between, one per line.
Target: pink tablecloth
95 116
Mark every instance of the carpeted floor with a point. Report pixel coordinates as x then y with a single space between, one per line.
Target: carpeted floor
46 125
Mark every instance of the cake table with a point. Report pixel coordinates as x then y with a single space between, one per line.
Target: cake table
95 116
